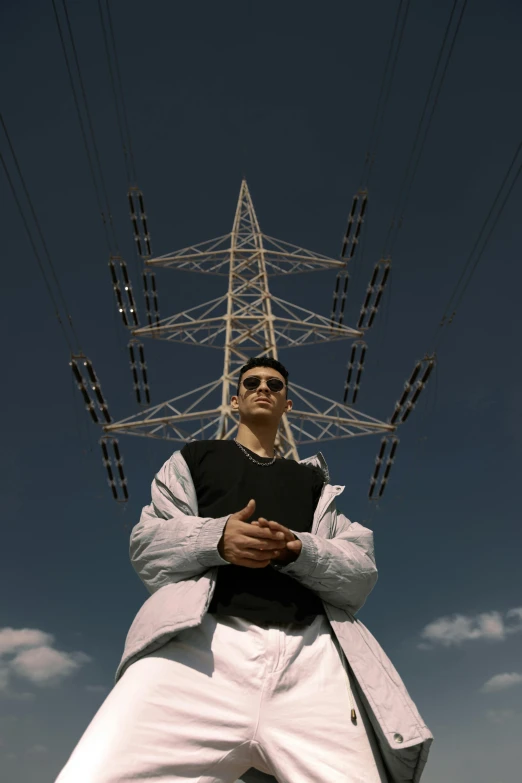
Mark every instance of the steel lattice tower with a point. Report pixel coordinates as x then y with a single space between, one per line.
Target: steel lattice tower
247 320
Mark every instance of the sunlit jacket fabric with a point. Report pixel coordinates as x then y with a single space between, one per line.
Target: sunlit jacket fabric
174 552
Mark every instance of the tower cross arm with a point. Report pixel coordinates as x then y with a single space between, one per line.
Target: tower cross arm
375 426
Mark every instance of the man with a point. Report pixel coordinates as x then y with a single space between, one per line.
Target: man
247 655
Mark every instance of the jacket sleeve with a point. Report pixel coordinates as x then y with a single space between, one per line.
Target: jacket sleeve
169 544
340 570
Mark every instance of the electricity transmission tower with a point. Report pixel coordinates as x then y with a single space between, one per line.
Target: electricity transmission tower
247 320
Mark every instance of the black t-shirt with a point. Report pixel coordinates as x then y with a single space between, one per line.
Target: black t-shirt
225 479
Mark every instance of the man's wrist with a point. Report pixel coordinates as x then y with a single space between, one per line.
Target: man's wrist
286 558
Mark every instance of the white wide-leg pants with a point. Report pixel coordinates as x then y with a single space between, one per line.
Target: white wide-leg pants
226 696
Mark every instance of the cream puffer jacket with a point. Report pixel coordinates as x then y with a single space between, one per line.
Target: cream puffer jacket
174 552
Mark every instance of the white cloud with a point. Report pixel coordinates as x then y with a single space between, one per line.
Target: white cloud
28 653
4 678
458 628
517 613
501 682
14 639
45 666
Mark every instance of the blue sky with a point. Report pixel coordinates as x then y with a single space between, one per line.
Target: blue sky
283 94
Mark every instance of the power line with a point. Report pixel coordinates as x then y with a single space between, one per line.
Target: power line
134 194
89 120
485 239
357 214
127 162
95 170
117 87
384 92
417 149
33 243
435 103
478 240
117 266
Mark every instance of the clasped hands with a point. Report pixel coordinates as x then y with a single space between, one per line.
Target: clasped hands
293 544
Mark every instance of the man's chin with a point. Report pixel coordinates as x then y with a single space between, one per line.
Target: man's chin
260 413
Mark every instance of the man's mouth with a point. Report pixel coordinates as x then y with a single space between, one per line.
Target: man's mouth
263 399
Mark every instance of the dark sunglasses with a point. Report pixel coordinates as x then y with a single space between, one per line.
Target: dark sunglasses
252 382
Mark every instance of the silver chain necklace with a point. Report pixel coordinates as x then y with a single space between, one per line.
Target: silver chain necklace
262 464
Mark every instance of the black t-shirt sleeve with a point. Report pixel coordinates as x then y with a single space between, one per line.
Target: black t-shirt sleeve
187 452
318 489
317 484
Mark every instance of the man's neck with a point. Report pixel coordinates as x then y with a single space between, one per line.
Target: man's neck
259 440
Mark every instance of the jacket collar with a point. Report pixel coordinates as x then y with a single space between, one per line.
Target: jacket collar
318 461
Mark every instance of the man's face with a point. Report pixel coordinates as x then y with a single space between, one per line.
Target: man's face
261 404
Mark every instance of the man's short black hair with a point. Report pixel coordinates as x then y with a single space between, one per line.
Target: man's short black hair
263 361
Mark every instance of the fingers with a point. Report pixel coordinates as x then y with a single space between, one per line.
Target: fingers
265 532
275 527
247 511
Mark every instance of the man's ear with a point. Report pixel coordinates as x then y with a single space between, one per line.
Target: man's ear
289 405
234 401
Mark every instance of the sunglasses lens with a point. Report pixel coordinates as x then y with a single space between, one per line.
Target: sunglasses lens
252 382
